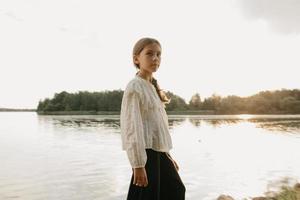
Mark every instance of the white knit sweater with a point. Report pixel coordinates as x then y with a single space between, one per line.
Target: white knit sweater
143 121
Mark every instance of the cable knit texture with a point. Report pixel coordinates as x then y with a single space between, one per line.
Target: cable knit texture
143 121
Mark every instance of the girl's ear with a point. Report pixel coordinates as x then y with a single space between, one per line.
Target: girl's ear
135 59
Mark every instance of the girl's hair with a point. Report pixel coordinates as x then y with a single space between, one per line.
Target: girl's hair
137 49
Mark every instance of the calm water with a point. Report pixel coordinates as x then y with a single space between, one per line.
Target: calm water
80 157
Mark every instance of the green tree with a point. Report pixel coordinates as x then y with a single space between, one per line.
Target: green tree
195 102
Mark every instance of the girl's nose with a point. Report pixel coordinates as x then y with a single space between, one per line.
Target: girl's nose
155 57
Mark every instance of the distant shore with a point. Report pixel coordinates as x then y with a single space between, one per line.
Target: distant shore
191 112
16 110
183 112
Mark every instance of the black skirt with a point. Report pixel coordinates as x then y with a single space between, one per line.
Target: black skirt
164 182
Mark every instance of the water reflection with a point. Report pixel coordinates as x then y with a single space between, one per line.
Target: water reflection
290 124
80 157
110 123
86 122
218 122
175 122
279 125
105 121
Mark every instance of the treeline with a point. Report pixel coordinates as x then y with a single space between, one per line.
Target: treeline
83 101
266 102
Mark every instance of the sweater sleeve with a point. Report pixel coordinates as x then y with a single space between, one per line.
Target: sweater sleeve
132 128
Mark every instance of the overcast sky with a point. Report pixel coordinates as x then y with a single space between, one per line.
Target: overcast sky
227 47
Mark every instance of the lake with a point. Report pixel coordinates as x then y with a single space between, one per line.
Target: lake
80 157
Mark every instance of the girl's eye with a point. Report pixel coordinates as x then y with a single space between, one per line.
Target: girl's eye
151 54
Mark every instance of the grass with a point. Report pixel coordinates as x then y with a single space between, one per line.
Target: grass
282 190
286 193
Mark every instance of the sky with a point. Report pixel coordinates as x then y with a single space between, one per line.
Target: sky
223 47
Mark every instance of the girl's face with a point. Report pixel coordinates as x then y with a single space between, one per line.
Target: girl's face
149 58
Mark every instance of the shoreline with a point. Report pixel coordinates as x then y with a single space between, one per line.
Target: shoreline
188 112
118 112
207 112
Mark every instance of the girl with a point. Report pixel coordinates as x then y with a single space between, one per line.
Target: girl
145 131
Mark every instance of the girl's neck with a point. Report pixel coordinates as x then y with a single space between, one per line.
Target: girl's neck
145 75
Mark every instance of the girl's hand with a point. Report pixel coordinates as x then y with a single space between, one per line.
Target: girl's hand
140 177
176 165
174 162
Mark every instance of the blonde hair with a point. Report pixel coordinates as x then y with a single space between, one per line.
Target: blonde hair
137 49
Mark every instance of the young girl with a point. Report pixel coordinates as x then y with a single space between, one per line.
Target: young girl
145 130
